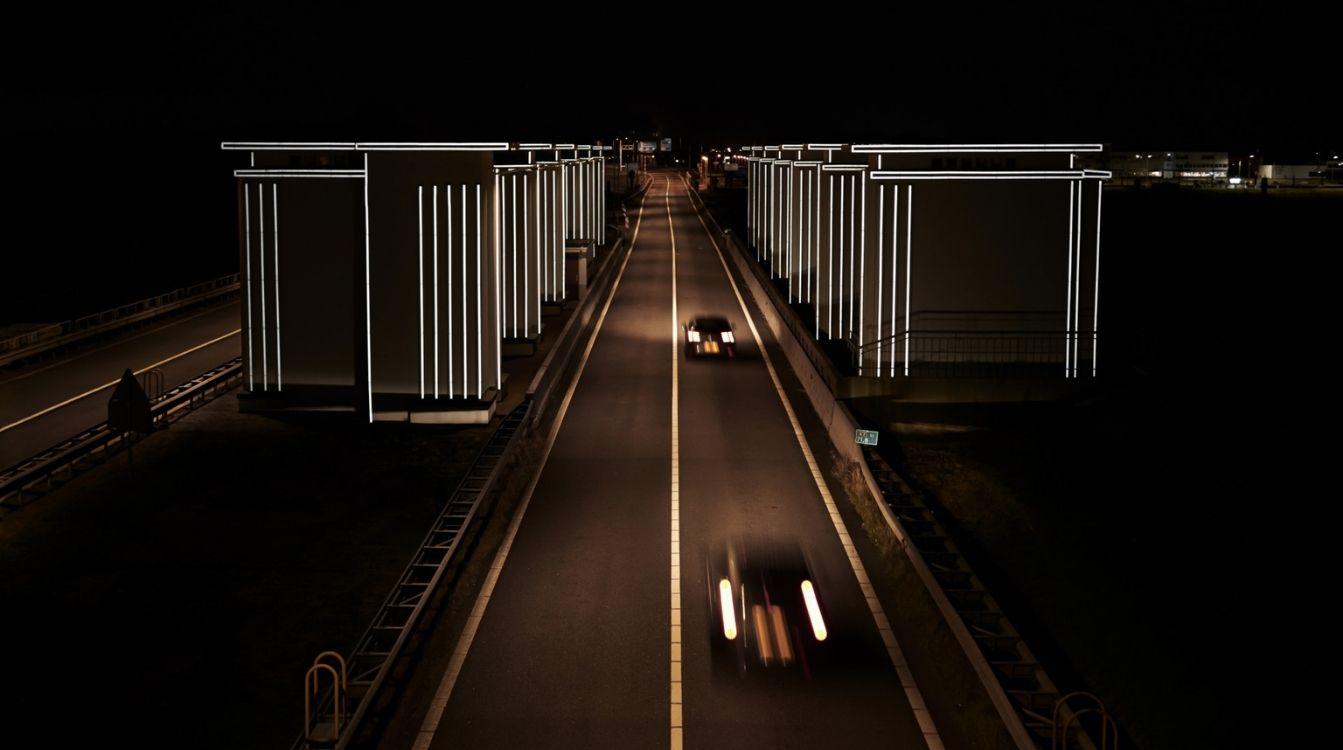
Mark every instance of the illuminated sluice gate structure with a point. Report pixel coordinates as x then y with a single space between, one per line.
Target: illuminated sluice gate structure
386 278
935 261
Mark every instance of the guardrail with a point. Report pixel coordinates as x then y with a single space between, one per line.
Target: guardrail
39 473
40 340
969 354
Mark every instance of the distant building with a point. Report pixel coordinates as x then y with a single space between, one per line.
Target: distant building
1303 174
1192 167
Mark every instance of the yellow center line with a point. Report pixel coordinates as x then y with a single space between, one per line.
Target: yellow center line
104 386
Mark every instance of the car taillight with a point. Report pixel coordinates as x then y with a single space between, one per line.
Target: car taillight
729 614
813 610
727 337
694 337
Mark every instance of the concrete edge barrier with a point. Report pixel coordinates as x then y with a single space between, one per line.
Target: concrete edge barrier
560 356
840 425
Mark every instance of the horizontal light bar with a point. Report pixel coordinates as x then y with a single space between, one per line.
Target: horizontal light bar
284 146
826 146
974 148
844 167
394 146
535 146
564 146
1061 174
793 146
514 167
347 174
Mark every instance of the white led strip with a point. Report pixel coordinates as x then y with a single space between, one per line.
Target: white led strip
247 268
275 254
261 250
419 208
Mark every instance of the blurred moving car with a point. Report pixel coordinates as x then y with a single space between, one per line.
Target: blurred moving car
709 336
766 609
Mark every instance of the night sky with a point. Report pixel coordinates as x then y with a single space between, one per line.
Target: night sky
1160 77
114 118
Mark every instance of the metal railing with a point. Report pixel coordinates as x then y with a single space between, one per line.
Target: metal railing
38 473
385 641
47 337
963 354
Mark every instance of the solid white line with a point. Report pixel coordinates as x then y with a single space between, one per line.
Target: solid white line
677 714
893 651
444 692
92 391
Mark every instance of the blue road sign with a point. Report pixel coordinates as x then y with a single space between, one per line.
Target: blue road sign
865 437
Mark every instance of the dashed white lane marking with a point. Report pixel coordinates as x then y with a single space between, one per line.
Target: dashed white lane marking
92 391
677 717
912 693
440 701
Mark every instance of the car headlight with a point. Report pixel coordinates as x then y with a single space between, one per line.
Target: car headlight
693 336
729 614
813 610
728 338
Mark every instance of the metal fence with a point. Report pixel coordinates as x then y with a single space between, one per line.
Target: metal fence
124 314
969 354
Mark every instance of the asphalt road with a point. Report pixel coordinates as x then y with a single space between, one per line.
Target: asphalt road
573 649
42 406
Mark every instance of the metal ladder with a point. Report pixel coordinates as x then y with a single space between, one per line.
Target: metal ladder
1043 710
376 652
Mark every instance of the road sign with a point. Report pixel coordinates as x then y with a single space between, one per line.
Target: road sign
128 409
865 437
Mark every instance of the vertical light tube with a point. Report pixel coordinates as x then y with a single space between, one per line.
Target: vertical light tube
434 271
830 264
526 256
513 236
1096 295
480 339
841 259
447 262
419 206
564 226
1068 312
909 272
368 294
788 258
1077 292
853 247
466 332
895 269
247 271
275 254
862 270
498 324
261 257
816 247
805 256
881 249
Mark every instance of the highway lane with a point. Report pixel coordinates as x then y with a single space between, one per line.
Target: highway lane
28 423
572 648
